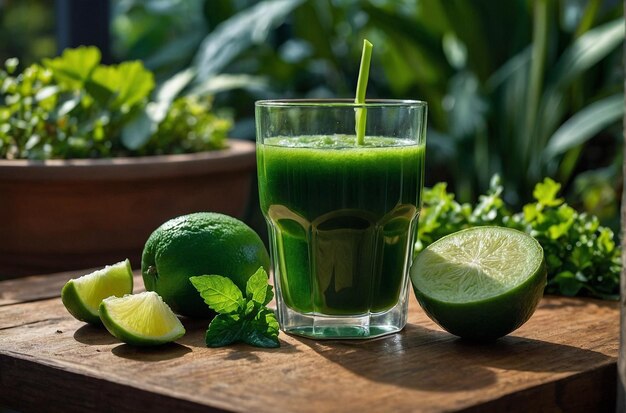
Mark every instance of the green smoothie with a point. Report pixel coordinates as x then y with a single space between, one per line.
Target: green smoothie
342 219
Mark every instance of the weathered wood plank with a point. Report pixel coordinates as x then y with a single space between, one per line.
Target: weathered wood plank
39 287
84 393
563 358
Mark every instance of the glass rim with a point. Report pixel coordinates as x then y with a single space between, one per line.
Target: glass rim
347 103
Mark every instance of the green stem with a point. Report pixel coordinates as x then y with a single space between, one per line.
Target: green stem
539 48
586 23
364 73
589 16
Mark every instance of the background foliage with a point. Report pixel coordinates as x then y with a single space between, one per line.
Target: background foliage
523 89
72 106
27 30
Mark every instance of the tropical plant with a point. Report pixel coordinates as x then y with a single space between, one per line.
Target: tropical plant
523 89
523 85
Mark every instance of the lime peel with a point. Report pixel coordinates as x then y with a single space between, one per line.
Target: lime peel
198 244
142 319
82 296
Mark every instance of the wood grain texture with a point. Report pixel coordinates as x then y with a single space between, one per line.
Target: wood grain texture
39 287
563 359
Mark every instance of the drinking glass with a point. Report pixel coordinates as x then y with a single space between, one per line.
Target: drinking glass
342 214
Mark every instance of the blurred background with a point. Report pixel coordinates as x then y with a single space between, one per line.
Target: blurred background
525 89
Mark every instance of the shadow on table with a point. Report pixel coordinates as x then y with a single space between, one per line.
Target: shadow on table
196 330
241 351
150 354
99 336
524 354
94 336
431 360
417 358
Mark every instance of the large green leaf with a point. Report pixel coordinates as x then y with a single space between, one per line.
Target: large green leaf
138 131
130 82
224 82
168 91
507 89
585 124
314 22
176 52
74 66
586 51
231 37
466 105
165 95
395 24
467 22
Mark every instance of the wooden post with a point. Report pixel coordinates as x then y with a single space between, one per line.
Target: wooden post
621 363
84 22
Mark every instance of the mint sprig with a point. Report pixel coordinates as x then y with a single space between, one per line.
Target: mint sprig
240 318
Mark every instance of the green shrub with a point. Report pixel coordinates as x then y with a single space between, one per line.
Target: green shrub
73 106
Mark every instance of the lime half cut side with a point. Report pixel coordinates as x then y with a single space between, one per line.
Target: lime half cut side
82 296
480 283
141 319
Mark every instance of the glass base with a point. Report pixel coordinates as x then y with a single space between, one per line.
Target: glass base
317 326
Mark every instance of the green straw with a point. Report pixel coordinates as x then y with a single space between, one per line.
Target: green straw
360 115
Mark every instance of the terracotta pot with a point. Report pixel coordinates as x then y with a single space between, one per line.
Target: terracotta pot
62 215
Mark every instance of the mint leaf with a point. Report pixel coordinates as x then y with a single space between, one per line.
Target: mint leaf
220 293
224 329
240 319
263 330
257 288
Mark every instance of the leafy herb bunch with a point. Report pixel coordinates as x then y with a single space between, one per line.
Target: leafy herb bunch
242 316
581 255
73 106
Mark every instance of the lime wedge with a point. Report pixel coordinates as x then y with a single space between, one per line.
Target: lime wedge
142 319
480 283
82 296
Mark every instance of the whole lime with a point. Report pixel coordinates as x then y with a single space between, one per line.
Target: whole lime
480 283
203 243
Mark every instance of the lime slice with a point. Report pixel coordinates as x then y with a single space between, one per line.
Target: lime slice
142 319
82 296
480 283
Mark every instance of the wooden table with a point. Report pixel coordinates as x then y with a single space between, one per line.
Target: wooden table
563 359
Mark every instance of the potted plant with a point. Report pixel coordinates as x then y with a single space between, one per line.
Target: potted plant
89 166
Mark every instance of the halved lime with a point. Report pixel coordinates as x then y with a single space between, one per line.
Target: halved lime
82 296
142 319
480 283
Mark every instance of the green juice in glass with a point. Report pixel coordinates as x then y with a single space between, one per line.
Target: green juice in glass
342 219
